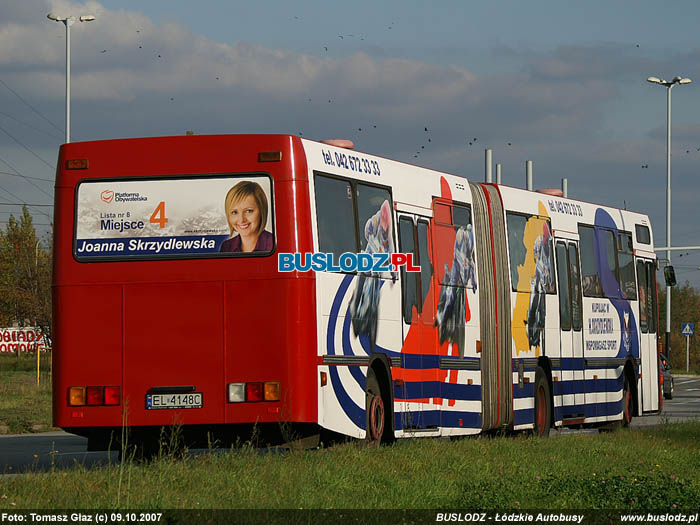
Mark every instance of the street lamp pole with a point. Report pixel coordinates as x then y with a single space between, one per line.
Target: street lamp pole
68 21
668 85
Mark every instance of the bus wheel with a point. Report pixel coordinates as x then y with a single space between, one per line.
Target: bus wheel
543 412
375 410
627 404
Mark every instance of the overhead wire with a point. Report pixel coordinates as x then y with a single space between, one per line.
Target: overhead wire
30 106
16 172
48 133
26 148
24 177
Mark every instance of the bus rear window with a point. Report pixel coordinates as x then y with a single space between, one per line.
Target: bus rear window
186 217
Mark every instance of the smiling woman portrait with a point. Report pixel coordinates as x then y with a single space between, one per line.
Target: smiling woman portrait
246 212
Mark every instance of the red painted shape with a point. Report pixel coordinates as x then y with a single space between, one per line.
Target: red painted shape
423 337
445 191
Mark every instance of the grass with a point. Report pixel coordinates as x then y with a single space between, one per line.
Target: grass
24 407
636 470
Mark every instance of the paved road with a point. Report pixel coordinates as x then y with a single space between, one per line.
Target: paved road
39 452
684 405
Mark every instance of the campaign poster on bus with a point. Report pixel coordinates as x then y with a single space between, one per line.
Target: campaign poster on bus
189 216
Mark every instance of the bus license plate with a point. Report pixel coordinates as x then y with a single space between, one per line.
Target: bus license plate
161 401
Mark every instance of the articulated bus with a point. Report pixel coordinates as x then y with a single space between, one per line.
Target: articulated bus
216 284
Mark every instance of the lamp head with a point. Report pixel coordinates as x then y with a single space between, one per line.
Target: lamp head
655 80
87 18
54 17
685 80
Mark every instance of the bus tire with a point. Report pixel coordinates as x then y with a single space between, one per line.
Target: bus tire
627 403
376 411
543 408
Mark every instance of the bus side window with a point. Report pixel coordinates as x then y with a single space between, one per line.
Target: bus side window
531 253
575 276
651 297
643 297
517 250
375 219
563 280
454 244
590 279
625 256
409 280
426 268
442 213
643 234
611 258
461 216
335 216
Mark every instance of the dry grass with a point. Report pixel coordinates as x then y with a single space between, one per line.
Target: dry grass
24 407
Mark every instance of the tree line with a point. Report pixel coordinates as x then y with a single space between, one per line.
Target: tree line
25 276
685 308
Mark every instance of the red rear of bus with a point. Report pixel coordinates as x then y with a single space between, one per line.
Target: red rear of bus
128 328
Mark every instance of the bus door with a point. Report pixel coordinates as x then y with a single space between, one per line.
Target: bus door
649 376
571 334
419 351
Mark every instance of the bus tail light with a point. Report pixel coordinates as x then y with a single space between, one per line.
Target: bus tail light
112 395
76 164
76 396
273 391
95 395
269 156
254 391
236 392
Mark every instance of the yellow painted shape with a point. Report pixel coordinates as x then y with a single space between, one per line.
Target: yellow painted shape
526 273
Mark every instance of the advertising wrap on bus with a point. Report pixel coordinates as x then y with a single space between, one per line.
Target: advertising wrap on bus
172 217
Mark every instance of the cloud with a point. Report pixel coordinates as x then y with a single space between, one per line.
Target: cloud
133 77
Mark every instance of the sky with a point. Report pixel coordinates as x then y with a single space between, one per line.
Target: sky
562 84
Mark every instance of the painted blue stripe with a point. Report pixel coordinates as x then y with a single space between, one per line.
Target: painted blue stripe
528 390
527 416
427 389
460 392
448 418
419 361
524 417
573 386
354 412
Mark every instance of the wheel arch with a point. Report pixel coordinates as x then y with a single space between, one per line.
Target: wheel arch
381 366
546 365
630 372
